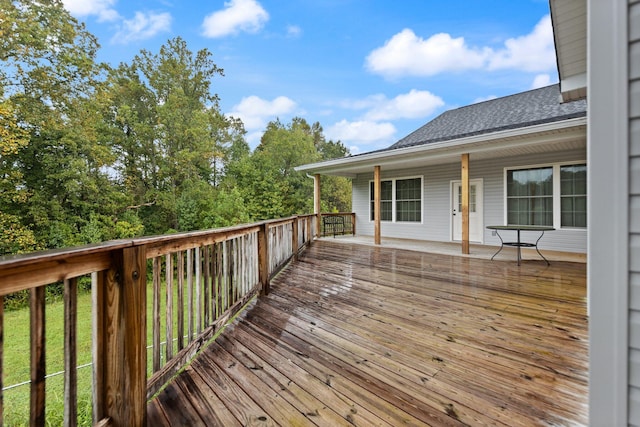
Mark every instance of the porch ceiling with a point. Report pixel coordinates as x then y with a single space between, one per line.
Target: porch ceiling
568 135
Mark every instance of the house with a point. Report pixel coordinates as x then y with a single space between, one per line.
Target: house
525 158
598 57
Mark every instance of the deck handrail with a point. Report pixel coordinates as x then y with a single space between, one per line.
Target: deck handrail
197 281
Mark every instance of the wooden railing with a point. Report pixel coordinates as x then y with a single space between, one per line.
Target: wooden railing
182 287
334 224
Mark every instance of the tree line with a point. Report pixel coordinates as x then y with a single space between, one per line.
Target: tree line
91 152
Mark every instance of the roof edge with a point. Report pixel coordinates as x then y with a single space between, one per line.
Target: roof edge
364 158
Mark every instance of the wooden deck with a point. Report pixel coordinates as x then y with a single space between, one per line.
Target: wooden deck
357 335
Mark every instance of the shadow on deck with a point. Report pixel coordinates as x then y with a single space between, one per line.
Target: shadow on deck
358 335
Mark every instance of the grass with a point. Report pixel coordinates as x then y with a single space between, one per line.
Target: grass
16 363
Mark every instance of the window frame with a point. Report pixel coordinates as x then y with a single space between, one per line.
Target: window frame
556 185
394 199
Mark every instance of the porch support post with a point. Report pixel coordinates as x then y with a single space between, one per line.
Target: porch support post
465 202
316 202
377 193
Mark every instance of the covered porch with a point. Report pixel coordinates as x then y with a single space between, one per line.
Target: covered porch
354 334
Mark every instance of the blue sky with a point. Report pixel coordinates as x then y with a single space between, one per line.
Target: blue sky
370 71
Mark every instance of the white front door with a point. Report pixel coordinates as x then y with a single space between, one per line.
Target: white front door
475 210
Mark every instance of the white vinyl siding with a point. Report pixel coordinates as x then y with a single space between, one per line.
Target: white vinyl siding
634 213
436 202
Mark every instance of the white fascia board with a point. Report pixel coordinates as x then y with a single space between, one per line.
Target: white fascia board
573 87
342 165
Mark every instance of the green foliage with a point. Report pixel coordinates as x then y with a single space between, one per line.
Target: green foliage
270 186
90 153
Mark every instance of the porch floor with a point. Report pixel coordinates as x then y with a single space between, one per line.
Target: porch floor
455 248
359 335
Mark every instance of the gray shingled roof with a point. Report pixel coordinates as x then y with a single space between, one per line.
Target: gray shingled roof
510 112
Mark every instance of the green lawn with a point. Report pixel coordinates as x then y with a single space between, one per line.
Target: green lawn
16 358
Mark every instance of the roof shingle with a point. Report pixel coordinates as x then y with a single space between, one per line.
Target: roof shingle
524 109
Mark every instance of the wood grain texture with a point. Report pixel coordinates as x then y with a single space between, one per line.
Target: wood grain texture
38 361
358 335
377 205
70 352
464 179
1 360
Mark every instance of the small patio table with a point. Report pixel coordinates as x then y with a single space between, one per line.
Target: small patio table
520 244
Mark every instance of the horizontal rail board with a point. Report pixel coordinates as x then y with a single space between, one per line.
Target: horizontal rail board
26 276
161 248
195 283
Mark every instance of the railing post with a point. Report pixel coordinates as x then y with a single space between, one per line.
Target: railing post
263 258
316 202
294 238
353 224
122 338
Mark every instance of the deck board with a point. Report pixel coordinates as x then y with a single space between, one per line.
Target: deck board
358 335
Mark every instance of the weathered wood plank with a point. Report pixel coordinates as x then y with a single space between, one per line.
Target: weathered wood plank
317 386
55 268
157 268
168 327
375 336
70 352
38 361
97 345
205 401
198 287
180 311
190 295
1 360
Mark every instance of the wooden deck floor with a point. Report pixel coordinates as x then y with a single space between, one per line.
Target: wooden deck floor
356 335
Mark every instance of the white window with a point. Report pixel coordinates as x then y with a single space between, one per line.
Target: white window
400 200
552 195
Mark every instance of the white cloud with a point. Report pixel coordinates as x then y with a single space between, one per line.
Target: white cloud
406 54
541 80
255 112
103 9
237 15
412 105
294 31
143 26
484 98
363 132
532 52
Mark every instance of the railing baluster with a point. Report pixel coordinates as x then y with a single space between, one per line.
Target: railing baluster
97 356
190 312
219 276
235 261
180 300
198 285
70 352
169 306
38 360
207 285
1 359
214 285
156 313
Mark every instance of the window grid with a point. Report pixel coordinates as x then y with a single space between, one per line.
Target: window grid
573 196
549 195
402 197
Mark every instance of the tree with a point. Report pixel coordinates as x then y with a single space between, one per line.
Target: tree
171 135
268 182
50 79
